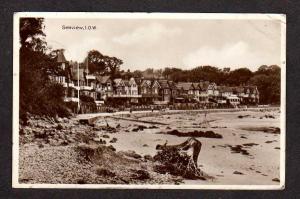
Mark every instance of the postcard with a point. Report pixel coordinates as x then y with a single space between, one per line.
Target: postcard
149 100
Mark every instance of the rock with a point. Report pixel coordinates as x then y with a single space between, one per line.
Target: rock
81 181
58 119
105 172
275 180
39 134
145 145
152 127
140 175
105 136
59 127
148 157
139 128
102 141
131 154
65 120
114 140
207 134
111 148
238 173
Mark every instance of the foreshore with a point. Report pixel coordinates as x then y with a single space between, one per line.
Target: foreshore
239 157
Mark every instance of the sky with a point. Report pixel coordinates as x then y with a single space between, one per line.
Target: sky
181 43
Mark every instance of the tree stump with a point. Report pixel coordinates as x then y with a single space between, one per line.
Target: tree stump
180 160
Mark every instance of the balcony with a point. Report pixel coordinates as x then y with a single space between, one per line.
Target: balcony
71 99
65 84
90 77
87 88
126 96
99 102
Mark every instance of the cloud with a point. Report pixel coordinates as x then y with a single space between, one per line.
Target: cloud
146 34
232 55
77 51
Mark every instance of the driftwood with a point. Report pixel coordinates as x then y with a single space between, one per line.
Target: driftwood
180 160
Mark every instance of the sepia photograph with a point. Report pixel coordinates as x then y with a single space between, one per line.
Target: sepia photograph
149 100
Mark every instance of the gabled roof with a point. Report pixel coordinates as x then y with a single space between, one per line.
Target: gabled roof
204 85
172 85
126 82
212 86
155 82
118 81
131 81
164 83
146 82
102 79
61 57
252 89
75 74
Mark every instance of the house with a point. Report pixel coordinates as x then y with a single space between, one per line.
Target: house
156 91
165 91
186 91
146 91
250 95
133 87
174 90
212 90
119 87
203 94
225 91
104 86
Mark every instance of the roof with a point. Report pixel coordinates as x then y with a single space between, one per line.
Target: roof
204 85
185 85
126 82
251 88
131 81
146 82
172 85
102 79
118 81
61 57
75 74
164 83
155 82
224 89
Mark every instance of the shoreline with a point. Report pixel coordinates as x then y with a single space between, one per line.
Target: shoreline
243 145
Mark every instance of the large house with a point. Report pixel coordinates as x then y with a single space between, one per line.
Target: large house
103 89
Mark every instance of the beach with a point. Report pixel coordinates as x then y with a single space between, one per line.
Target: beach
248 152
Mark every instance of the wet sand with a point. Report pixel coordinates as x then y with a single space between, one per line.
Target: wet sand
217 157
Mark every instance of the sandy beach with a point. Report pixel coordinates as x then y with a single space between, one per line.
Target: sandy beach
216 157
247 152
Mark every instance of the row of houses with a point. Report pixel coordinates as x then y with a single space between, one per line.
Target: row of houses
106 90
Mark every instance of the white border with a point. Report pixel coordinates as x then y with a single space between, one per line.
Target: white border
183 16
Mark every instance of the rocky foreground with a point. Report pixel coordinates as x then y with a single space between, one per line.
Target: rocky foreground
63 151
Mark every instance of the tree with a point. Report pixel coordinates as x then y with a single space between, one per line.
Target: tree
137 74
38 95
96 62
103 64
114 65
239 76
268 81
